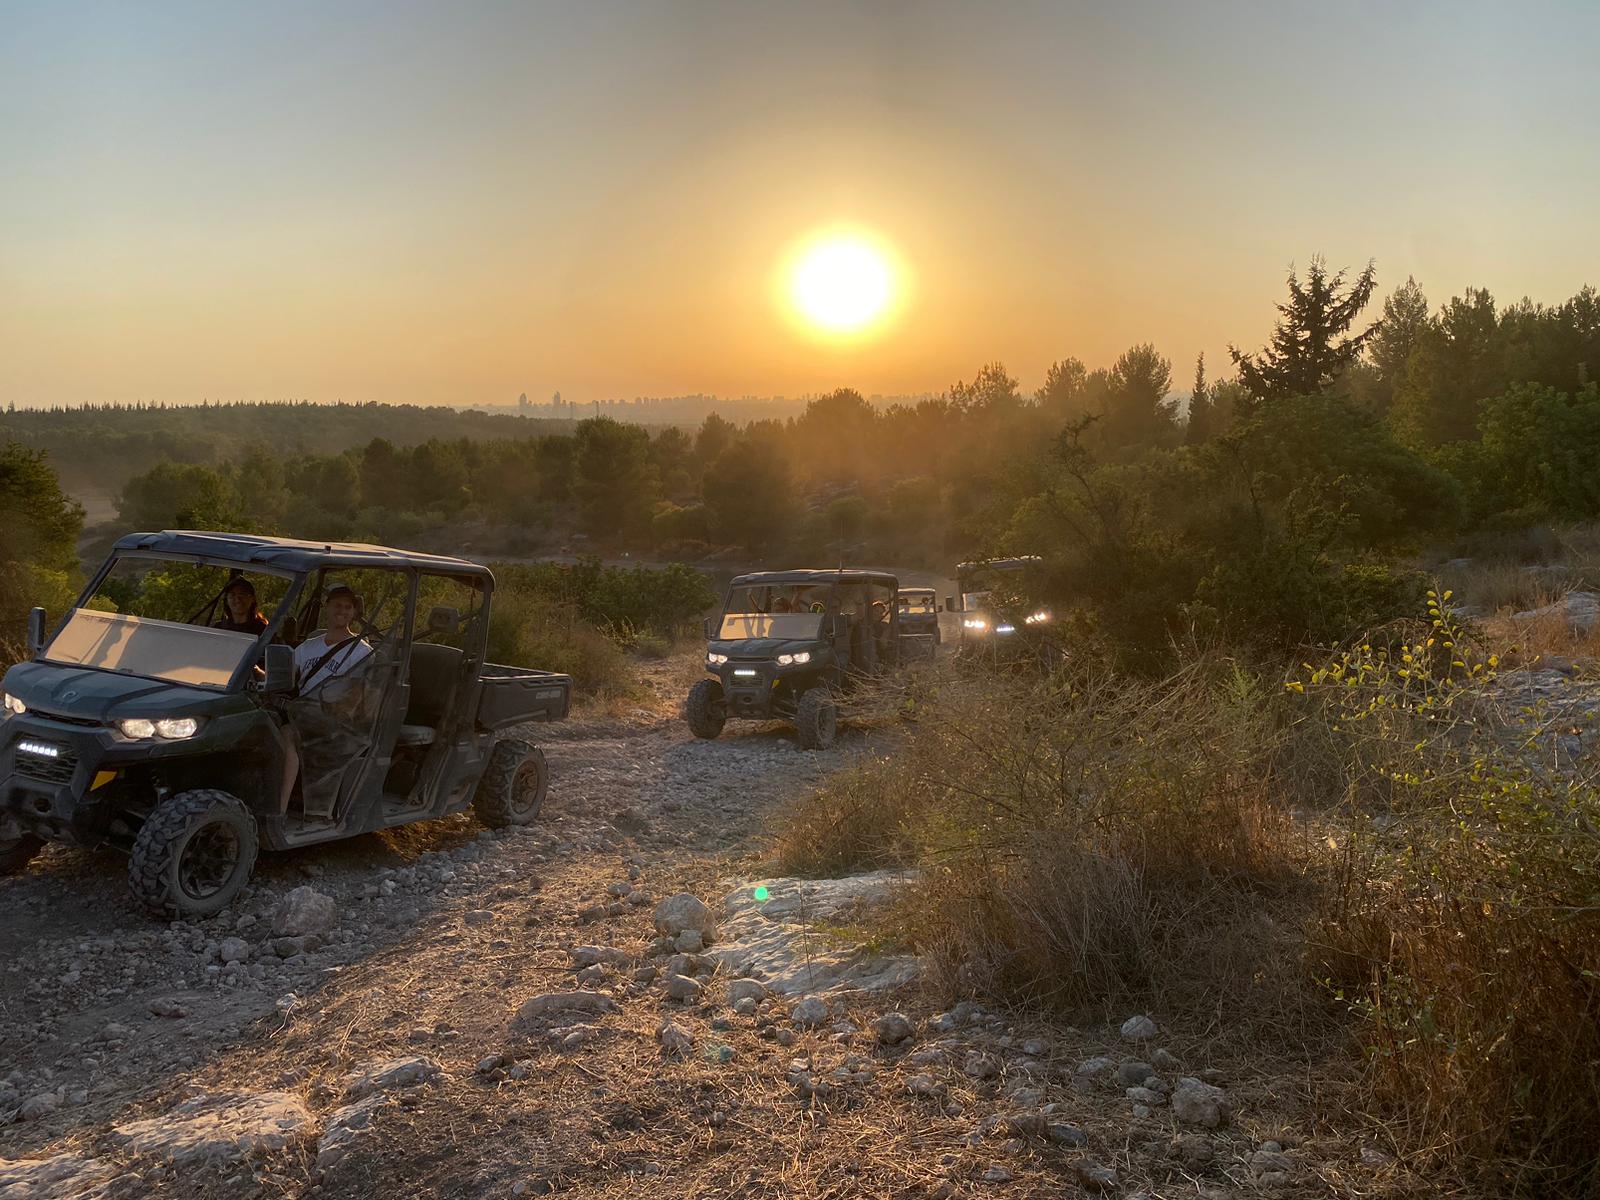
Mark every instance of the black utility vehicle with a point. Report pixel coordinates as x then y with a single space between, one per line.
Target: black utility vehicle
144 721
998 604
787 642
919 621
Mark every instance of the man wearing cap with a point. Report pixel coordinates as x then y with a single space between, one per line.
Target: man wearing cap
319 659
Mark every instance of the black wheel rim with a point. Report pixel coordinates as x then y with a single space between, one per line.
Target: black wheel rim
527 789
208 861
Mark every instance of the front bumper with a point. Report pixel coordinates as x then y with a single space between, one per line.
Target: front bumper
54 778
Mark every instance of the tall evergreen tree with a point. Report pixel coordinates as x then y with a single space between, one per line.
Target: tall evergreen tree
1312 342
1138 411
1405 315
1201 427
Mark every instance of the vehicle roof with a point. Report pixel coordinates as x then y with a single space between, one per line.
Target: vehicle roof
1003 564
816 577
929 590
288 553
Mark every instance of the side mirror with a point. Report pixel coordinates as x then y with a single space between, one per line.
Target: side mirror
280 670
35 630
841 625
705 628
950 604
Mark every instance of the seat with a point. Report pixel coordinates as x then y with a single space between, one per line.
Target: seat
435 674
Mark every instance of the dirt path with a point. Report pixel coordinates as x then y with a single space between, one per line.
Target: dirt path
444 932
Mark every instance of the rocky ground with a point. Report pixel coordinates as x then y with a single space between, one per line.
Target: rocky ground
601 1005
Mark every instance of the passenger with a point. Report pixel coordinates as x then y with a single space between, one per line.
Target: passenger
318 662
321 659
241 612
783 605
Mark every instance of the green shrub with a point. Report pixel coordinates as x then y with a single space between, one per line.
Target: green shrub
1466 933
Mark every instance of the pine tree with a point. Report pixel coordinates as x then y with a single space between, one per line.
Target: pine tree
1312 342
1201 426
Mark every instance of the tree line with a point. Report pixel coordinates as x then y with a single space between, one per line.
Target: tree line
1280 504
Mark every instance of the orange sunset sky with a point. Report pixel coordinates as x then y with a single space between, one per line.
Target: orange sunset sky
434 203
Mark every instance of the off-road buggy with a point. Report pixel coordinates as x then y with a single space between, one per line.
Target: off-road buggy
141 724
999 602
919 621
788 642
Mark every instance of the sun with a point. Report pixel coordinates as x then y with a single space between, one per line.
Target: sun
841 283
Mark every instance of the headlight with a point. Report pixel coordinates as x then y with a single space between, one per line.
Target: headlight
975 623
790 660
716 660
13 705
785 660
803 657
171 728
1038 618
1005 628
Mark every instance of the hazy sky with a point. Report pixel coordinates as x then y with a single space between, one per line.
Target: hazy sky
457 202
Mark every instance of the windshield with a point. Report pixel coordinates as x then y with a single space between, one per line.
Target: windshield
154 649
189 593
787 626
916 602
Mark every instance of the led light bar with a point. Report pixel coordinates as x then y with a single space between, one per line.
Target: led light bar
41 749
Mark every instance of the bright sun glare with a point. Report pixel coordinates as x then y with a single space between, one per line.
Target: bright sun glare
841 283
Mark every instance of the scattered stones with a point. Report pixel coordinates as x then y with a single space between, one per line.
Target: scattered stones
1271 1162
221 1127
345 1127
233 950
1132 1072
893 1028
1066 1135
476 918
682 988
588 956
1095 1178
558 1008
810 1012
1197 1103
924 1085
746 989
304 911
675 1040
1036 1048
390 1075
997 1174
746 1006
166 1006
41 1105
689 942
1139 1029
677 913
1164 1061
1146 1096
981 1066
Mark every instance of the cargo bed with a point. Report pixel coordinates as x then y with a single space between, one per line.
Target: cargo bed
513 695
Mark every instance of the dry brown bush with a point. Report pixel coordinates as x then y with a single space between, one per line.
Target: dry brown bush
1088 842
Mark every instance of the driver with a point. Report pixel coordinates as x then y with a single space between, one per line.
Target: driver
241 610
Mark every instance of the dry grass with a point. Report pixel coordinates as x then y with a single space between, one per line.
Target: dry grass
1098 843
1465 934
